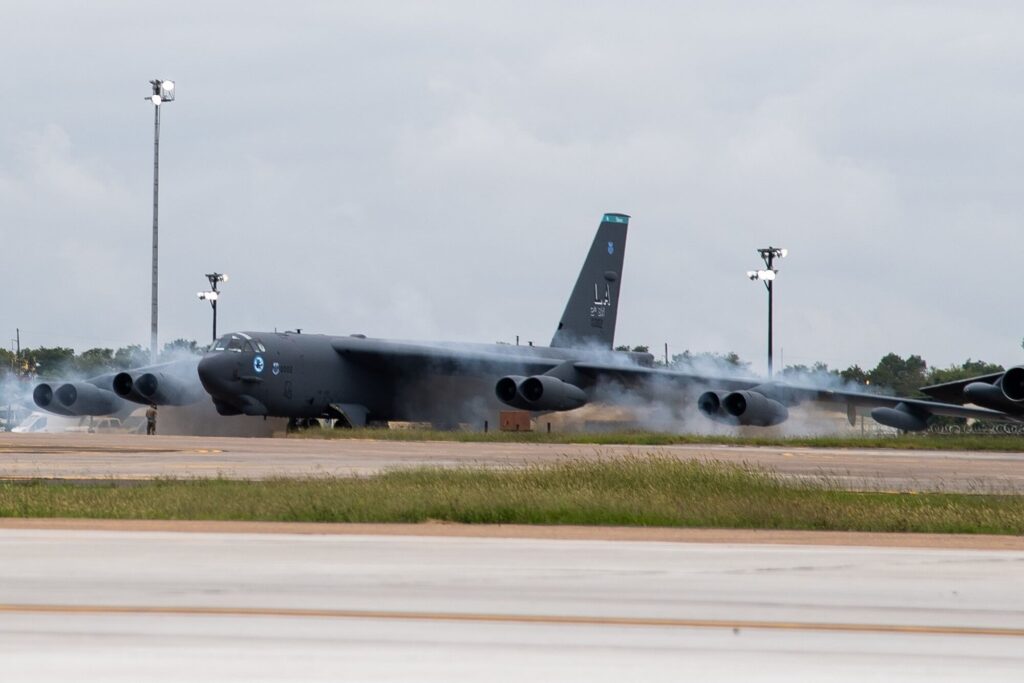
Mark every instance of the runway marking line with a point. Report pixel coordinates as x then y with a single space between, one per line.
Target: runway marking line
545 619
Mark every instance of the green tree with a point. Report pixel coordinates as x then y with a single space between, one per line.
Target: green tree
180 347
854 374
903 377
132 356
95 362
7 363
687 358
969 368
49 362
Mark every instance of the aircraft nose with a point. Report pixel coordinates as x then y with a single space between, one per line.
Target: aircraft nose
216 370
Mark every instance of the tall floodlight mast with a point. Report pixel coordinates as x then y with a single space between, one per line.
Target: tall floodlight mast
768 254
163 91
213 295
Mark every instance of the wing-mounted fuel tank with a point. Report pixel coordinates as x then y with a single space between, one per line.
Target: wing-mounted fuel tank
902 416
555 390
76 398
174 384
764 405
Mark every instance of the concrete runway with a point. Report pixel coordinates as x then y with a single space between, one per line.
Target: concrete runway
164 606
130 457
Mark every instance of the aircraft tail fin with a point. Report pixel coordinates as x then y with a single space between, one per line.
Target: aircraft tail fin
589 317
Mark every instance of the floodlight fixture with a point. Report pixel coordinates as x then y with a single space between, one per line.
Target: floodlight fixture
163 91
213 296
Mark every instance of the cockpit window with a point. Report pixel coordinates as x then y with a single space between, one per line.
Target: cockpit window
237 343
260 346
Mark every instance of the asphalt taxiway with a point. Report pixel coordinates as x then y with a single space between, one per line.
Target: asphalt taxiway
133 457
124 605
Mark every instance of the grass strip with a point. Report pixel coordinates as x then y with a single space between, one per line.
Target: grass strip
932 442
649 491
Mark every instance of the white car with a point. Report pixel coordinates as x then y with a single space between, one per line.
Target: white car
44 423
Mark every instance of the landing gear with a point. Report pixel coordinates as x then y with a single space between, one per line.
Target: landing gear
301 424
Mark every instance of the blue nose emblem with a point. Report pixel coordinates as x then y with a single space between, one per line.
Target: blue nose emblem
611 248
257 363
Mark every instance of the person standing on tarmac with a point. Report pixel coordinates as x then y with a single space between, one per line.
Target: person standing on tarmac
151 420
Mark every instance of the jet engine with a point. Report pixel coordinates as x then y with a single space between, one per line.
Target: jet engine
157 387
544 392
124 386
991 396
540 392
82 398
902 417
507 391
710 405
751 408
1013 383
43 395
165 389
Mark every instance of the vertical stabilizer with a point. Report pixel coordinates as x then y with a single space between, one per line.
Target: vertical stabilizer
589 317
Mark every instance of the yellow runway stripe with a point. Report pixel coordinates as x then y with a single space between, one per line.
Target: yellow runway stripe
547 619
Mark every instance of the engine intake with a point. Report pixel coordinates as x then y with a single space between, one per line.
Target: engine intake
1013 383
507 389
710 405
124 386
43 395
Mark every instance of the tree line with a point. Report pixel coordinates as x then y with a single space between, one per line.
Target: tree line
56 362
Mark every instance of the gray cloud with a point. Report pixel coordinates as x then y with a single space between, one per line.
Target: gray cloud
436 170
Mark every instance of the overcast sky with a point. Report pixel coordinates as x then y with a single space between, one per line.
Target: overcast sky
437 171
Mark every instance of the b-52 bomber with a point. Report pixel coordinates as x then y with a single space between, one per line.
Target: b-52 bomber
355 379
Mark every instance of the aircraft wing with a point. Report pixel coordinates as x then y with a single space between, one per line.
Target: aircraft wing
755 401
897 411
866 400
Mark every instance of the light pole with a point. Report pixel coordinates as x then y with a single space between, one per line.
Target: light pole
213 295
768 254
163 91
